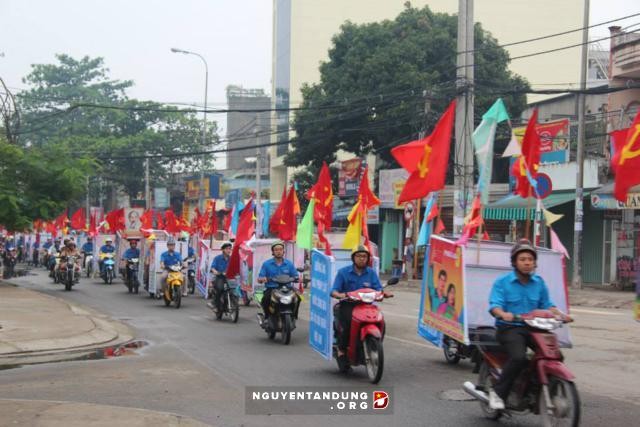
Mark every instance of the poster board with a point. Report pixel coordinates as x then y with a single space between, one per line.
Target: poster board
261 251
132 222
206 254
481 269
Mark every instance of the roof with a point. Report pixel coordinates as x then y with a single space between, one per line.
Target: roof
514 207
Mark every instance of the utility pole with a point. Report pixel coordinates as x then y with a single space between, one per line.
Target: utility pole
147 192
259 225
577 228
463 155
87 203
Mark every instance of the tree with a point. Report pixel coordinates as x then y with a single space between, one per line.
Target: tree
76 106
380 78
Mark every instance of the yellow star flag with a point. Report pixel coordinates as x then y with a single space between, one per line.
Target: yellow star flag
354 231
550 217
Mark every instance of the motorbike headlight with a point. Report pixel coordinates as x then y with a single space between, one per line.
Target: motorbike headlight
367 297
134 260
286 299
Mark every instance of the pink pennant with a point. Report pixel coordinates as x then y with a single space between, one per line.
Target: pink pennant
557 245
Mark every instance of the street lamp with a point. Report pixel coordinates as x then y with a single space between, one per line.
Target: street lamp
204 121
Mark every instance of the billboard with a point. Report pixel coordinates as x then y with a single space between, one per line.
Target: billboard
349 177
211 187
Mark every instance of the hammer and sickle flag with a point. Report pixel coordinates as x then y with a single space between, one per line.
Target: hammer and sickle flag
627 161
426 159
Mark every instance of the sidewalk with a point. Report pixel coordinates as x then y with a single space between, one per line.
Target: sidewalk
37 328
595 297
69 414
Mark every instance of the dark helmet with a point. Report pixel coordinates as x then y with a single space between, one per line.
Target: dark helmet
171 241
71 243
360 249
226 245
523 245
278 243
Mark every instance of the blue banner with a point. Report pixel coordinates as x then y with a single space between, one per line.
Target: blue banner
425 331
320 309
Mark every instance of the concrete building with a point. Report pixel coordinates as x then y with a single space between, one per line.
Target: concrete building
624 68
302 32
247 129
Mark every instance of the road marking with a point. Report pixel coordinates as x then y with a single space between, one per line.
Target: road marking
419 344
605 313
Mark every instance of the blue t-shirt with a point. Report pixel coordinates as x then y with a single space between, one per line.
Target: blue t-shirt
509 294
348 280
191 252
131 253
87 247
107 249
170 258
270 270
220 264
47 245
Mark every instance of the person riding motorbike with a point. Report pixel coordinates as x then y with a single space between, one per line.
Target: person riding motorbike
53 251
219 266
350 278
130 253
107 248
278 265
68 250
515 293
87 249
167 259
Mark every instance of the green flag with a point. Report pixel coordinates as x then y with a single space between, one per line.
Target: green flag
483 138
304 236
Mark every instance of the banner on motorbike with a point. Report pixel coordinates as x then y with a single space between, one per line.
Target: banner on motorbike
442 307
99 243
480 267
155 251
205 257
323 272
261 249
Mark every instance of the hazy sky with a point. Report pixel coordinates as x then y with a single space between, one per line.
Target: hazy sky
134 37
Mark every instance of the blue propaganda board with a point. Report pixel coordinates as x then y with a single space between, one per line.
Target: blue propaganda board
425 331
321 313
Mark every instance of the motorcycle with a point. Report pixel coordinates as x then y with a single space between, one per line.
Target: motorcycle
10 266
283 309
69 272
367 333
173 290
545 387
88 262
229 303
108 266
455 350
191 274
132 275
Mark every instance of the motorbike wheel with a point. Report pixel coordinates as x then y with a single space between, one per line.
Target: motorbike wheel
484 381
566 402
177 295
374 358
287 327
136 285
219 309
55 277
235 308
192 285
130 285
451 349
109 277
271 328
68 283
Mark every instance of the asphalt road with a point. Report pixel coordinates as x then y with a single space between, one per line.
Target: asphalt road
197 366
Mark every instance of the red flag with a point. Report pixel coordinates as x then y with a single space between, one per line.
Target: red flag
146 220
618 138
439 227
78 220
93 224
227 219
434 212
628 162
159 221
213 225
529 160
61 221
322 192
288 221
276 219
50 227
171 222
246 228
426 160
115 219
475 221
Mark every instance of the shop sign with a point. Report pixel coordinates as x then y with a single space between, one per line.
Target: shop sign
607 201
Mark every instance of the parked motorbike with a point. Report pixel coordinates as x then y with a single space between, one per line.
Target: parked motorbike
367 333
283 309
69 272
191 274
132 275
545 387
229 304
173 290
108 268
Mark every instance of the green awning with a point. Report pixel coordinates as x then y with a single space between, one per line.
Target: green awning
514 207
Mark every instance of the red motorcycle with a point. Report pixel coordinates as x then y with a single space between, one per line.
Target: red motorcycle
367 332
545 387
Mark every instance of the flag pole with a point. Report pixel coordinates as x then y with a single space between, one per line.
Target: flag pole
481 228
528 229
416 228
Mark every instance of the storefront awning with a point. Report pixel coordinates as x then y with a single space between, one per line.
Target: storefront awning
514 207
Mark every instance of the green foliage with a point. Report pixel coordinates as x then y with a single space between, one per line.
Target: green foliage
371 94
117 138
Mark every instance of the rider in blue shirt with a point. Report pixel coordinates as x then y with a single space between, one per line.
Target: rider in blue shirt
169 258
87 249
515 293
219 267
350 278
107 248
131 253
278 265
